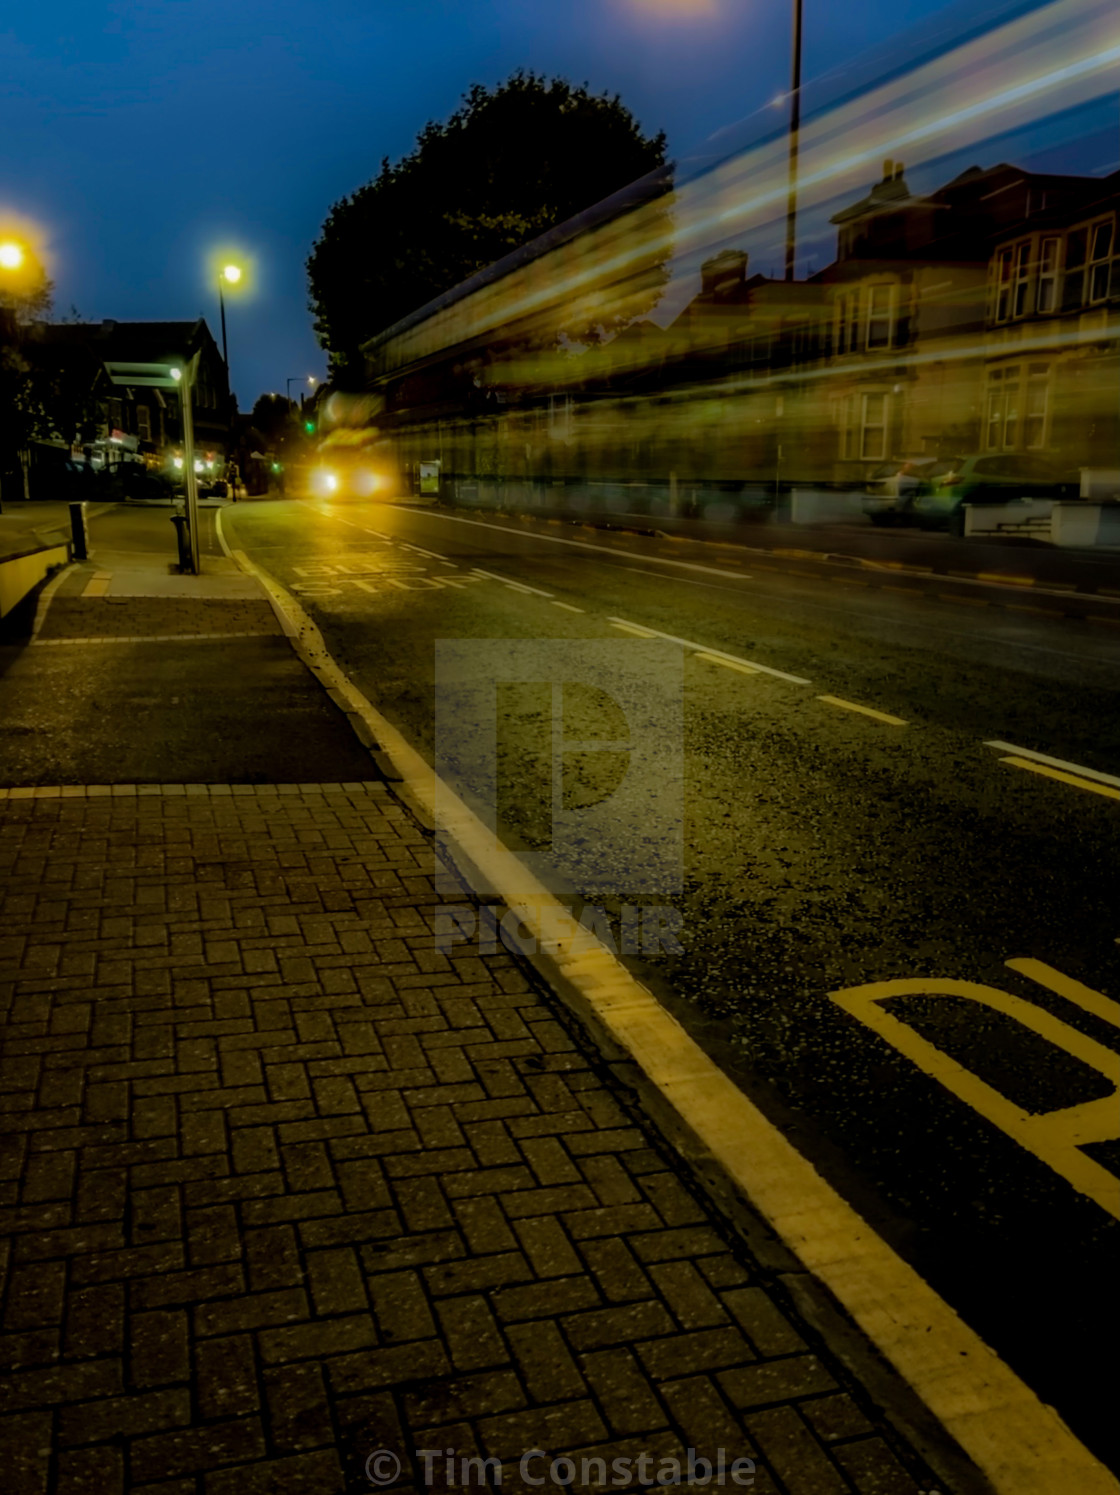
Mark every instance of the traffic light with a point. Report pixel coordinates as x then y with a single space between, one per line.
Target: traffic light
309 427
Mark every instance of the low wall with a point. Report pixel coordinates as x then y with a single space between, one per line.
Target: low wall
1083 524
1026 516
1100 482
20 574
822 506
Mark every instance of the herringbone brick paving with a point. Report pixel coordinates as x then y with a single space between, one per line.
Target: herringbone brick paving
283 1185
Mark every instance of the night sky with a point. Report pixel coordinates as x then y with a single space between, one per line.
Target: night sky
143 136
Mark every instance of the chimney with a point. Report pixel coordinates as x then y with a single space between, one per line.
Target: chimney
723 272
888 170
897 170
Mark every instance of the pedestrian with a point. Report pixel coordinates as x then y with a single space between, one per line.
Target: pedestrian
233 478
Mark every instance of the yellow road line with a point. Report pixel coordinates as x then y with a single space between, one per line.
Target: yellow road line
1057 1137
1067 986
728 664
1077 769
633 628
1063 778
959 597
879 716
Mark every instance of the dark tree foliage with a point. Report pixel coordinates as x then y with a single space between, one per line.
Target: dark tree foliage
23 297
506 167
274 416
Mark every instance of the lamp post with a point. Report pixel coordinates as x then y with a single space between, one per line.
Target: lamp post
228 275
21 278
794 132
11 262
183 378
296 379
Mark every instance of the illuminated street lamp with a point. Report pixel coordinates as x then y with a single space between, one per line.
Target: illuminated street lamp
295 379
228 275
23 281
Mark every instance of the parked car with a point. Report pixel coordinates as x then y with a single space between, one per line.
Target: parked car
67 480
892 488
987 478
129 482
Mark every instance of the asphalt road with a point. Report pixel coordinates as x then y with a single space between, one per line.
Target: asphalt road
820 848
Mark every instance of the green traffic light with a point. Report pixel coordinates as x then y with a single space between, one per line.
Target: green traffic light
309 427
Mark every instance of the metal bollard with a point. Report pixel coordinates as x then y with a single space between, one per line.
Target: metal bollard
183 538
79 531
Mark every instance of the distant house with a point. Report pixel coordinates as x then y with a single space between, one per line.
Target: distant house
978 317
112 420
1052 369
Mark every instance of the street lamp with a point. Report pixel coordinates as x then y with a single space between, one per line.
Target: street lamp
295 379
794 133
23 282
228 275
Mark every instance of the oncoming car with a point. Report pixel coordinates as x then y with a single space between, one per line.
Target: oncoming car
340 474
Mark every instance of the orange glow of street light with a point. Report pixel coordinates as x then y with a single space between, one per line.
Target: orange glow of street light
678 9
23 269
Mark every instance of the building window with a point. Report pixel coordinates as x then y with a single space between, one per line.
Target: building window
995 409
1023 279
143 423
1004 264
879 317
1073 287
853 321
1048 275
116 416
1038 398
847 418
1003 409
847 322
1100 252
873 436
560 417
1011 409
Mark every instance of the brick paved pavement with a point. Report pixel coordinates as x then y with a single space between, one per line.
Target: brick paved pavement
284 1186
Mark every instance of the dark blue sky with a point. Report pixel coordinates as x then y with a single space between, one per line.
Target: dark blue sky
142 135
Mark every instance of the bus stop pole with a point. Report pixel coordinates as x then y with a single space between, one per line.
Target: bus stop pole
185 400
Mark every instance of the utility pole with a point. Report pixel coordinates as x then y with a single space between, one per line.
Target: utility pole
794 132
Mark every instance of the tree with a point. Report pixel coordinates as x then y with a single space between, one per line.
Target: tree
507 166
274 417
25 293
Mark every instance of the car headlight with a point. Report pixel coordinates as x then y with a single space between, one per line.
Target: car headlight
366 482
324 482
